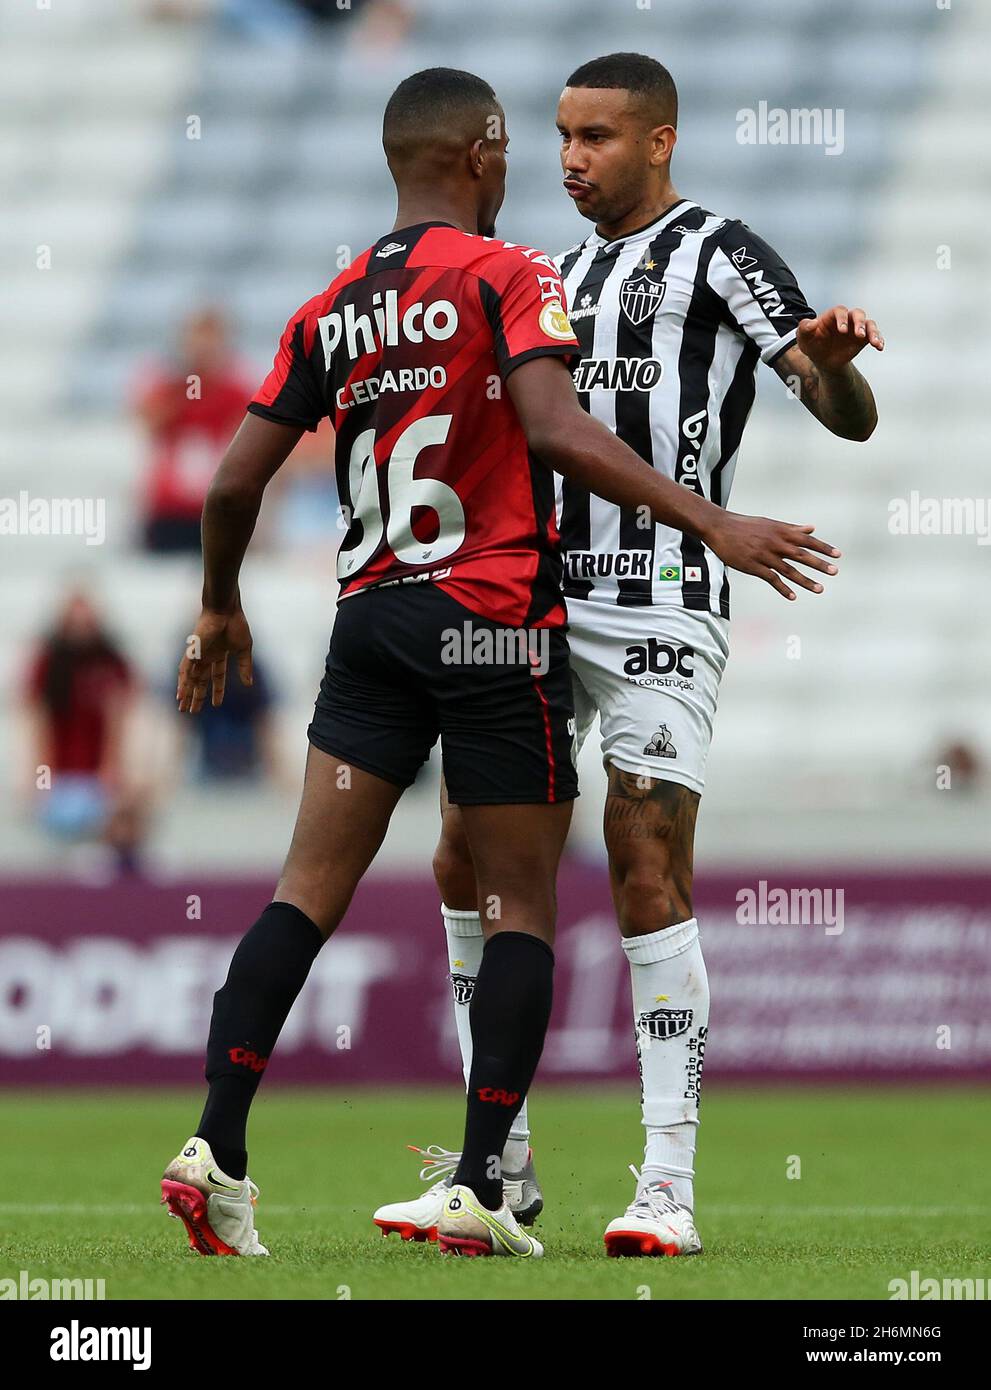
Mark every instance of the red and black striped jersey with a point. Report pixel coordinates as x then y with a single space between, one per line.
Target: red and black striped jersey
408 351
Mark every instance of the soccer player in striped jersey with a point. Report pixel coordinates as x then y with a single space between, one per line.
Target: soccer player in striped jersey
441 356
674 308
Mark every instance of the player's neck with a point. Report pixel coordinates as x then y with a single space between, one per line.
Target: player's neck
436 207
645 212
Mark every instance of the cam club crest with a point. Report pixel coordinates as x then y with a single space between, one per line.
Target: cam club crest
464 988
642 292
661 1024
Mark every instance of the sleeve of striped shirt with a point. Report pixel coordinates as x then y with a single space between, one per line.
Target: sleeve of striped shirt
761 295
524 302
289 394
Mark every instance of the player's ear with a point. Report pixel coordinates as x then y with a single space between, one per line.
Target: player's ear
663 139
476 158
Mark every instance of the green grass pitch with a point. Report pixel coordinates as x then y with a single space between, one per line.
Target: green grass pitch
891 1181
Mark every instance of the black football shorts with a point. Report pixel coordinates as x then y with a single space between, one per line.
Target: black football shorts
408 663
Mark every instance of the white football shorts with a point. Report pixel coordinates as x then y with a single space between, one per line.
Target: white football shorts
652 675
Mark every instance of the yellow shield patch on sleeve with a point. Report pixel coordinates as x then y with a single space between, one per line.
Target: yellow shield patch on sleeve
554 321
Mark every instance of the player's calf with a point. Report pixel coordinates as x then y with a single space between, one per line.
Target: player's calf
649 833
649 830
453 866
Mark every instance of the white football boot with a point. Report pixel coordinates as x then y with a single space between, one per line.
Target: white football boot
654 1224
465 1227
417 1219
217 1210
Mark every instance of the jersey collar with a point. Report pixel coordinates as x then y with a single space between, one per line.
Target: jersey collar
424 227
648 232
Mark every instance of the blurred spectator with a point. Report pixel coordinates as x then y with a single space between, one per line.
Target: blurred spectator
305 521
381 24
79 692
191 408
385 25
263 19
328 10
964 764
234 741
178 11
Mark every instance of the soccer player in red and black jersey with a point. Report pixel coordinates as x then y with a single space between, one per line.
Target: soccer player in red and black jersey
441 356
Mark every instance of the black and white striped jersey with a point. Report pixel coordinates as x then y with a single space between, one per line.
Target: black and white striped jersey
672 320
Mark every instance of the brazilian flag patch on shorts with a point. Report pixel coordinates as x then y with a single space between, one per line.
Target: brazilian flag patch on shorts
669 572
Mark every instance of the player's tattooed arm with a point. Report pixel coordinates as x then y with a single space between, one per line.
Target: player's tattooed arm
819 370
651 825
255 454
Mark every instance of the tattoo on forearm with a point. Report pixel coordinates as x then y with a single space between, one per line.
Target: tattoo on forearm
843 401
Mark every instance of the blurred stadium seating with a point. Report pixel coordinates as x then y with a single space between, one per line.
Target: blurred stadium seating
830 755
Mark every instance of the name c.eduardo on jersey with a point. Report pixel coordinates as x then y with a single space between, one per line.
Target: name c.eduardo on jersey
672 321
407 351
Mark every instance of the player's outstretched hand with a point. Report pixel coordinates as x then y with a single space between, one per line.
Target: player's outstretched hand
216 637
771 550
834 337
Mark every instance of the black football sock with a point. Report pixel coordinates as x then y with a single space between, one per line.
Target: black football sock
510 1009
267 971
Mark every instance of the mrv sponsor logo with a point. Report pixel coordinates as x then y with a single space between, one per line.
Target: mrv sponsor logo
80 1343
660 664
762 290
618 373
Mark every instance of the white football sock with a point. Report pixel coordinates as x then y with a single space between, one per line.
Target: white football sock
671 1020
465 942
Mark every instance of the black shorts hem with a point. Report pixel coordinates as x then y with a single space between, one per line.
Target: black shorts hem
362 764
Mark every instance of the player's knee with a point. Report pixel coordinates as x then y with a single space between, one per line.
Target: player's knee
454 872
